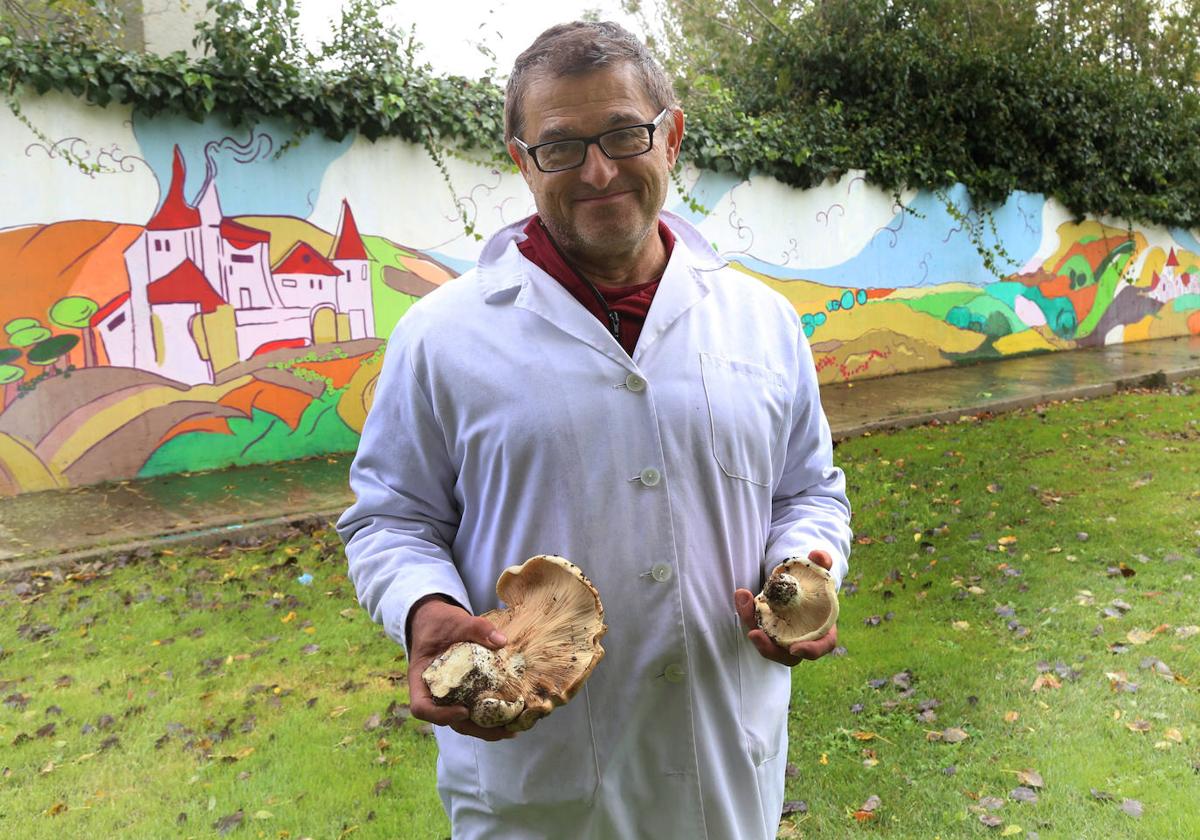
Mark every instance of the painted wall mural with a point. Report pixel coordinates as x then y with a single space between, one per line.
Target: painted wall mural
204 299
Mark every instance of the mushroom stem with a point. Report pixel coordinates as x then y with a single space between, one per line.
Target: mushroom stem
783 591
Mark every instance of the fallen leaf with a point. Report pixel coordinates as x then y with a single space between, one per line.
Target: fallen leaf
961 625
1101 795
1132 807
228 823
382 785
1138 636
1174 735
1188 631
991 803
56 809
1030 778
1023 794
291 616
953 735
1138 725
864 736
991 820
338 711
1011 717
794 806
1046 680
263 815
1011 831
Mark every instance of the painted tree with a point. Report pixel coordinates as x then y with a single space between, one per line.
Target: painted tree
75 313
10 375
47 353
25 332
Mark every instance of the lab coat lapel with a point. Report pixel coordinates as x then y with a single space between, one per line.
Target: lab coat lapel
687 279
544 296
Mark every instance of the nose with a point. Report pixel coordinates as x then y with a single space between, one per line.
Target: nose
597 170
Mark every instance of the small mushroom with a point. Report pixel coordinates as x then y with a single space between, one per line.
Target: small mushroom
553 621
798 603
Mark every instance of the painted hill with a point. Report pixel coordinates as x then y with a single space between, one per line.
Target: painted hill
41 264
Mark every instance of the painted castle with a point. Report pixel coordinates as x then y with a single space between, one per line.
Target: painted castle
1169 285
203 295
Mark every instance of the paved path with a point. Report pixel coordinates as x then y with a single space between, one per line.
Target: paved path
245 502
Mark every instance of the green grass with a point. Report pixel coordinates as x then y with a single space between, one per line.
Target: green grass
217 704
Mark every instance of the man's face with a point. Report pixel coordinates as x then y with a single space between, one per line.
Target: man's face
605 208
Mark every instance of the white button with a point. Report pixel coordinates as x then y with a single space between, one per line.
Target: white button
661 572
635 383
650 476
674 673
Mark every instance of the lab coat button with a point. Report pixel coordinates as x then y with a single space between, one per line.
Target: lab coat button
635 383
650 476
661 572
674 673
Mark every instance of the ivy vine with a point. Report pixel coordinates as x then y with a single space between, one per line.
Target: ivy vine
907 109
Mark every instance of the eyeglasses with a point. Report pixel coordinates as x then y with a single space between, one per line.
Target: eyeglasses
618 144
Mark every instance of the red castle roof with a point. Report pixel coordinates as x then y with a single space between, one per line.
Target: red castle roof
175 214
305 259
242 236
1171 260
185 284
347 245
109 308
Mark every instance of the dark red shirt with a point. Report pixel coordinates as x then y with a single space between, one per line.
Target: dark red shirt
631 303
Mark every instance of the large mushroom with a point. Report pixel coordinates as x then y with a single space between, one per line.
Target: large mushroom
553 621
798 603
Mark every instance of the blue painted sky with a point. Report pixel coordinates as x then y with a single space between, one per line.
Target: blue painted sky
928 247
1186 239
250 181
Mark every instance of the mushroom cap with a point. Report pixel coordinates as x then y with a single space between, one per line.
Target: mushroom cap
554 620
798 603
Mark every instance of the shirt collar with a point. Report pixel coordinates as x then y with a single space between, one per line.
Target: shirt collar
501 268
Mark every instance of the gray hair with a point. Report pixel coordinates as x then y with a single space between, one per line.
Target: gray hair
574 49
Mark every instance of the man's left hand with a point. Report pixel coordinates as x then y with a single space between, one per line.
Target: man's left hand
743 602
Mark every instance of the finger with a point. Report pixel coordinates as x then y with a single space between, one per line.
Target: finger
816 648
821 558
743 602
474 730
485 633
769 650
425 709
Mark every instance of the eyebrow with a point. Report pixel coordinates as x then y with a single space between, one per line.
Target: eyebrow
615 120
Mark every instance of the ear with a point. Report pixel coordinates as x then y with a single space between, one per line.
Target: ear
675 122
521 160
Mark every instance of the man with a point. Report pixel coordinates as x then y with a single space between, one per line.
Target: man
604 387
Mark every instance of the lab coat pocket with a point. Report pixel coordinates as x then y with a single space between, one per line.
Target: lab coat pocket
554 763
765 690
746 405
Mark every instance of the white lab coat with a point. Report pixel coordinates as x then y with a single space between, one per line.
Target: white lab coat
508 422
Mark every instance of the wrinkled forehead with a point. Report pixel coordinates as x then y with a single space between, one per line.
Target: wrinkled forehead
557 106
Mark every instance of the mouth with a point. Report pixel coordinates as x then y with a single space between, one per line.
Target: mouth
600 200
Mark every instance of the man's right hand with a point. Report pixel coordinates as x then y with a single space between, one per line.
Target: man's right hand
435 624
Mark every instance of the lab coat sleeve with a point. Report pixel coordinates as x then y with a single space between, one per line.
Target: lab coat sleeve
809 508
400 528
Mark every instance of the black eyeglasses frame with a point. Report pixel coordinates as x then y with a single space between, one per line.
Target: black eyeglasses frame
594 139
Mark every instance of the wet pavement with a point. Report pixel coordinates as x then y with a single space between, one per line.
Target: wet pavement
255 502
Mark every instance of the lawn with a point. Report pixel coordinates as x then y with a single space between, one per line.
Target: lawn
1021 658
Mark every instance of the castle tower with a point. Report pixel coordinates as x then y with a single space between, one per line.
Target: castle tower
349 254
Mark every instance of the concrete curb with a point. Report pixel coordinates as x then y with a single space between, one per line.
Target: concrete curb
257 530
1157 379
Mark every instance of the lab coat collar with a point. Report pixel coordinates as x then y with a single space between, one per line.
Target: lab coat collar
502 272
